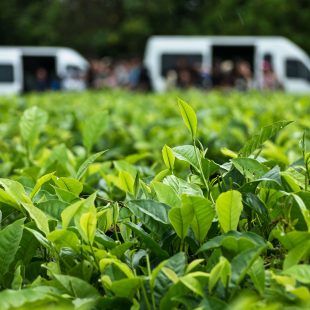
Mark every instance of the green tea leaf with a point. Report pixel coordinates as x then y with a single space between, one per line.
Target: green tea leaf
83 168
38 216
69 184
187 153
181 219
148 241
15 190
168 157
250 168
126 287
159 280
203 215
64 238
221 271
295 255
39 183
299 272
233 242
27 297
76 210
119 250
193 284
105 262
126 182
257 140
152 214
189 117
241 264
170 274
75 287
31 125
52 207
228 207
166 194
94 127
303 209
88 222
10 238
182 187
257 274
292 238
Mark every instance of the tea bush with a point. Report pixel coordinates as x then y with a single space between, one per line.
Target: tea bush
114 200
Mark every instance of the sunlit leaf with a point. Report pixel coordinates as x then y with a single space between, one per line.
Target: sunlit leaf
189 116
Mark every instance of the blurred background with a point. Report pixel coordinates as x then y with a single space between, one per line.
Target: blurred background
120 28
112 35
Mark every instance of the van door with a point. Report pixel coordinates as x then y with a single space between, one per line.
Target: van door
10 71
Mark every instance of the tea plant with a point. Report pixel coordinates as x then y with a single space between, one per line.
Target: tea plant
81 230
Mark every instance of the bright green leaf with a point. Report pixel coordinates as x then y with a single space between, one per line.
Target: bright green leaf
181 219
228 207
168 157
10 238
189 116
203 215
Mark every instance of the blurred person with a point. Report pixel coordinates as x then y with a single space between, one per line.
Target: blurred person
91 74
109 79
41 82
243 76
171 80
205 76
134 73
144 83
227 74
184 73
216 73
121 70
269 77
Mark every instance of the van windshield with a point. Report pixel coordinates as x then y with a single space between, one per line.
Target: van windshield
6 73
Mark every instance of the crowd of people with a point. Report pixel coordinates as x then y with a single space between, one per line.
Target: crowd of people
226 74
131 74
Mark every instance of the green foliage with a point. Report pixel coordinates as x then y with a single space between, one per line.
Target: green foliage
168 157
10 238
181 218
189 117
93 128
265 134
228 207
31 125
150 226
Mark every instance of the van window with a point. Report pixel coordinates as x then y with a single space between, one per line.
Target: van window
72 69
296 69
6 73
172 61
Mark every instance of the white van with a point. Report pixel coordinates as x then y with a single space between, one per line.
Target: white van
289 62
19 66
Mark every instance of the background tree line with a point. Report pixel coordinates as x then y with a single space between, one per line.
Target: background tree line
121 27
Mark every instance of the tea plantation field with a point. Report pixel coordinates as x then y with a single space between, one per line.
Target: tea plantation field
115 200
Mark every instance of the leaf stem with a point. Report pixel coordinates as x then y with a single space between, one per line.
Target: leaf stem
181 245
94 256
145 298
150 277
200 168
